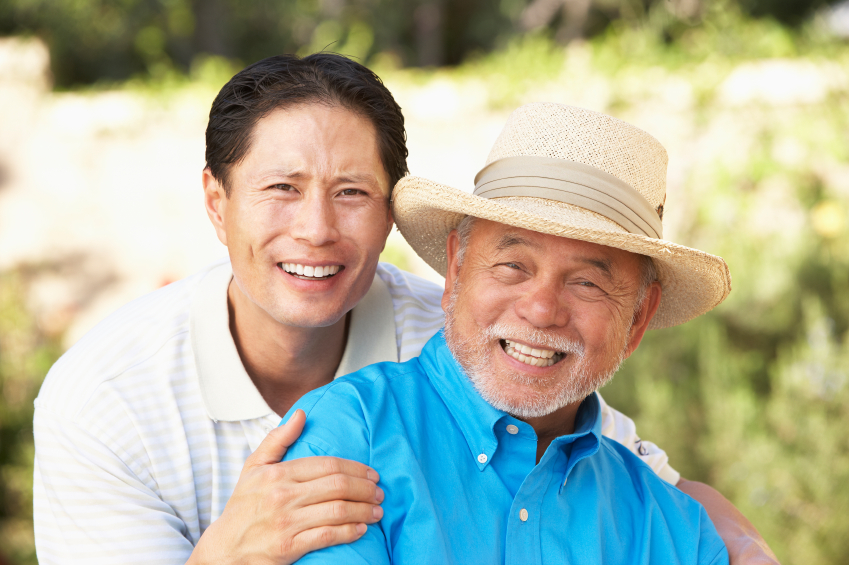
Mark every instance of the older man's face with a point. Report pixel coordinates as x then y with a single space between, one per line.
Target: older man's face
539 321
307 215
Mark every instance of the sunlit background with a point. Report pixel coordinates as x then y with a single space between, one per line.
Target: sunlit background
103 105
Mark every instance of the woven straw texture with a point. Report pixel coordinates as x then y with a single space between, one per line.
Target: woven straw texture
591 138
693 281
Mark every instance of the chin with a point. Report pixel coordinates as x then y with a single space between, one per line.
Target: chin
523 402
309 314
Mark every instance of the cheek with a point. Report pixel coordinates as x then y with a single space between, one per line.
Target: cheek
488 303
367 227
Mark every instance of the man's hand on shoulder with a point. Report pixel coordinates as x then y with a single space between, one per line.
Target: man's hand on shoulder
279 511
744 544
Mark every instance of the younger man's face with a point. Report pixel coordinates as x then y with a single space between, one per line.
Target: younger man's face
307 215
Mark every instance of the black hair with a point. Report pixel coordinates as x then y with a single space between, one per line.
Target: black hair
286 80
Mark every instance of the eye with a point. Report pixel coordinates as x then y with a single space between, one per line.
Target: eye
588 284
511 266
351 192
283 187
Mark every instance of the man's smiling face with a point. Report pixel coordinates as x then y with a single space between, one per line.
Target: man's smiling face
307 215
538 321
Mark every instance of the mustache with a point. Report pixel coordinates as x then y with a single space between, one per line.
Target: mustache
537 337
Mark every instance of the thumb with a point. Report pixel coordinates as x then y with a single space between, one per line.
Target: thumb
274 446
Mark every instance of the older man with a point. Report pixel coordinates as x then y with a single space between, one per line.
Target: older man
489 444
152 441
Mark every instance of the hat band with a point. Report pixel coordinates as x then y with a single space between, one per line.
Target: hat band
571 183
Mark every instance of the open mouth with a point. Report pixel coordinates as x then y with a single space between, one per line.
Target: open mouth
310 273
529 355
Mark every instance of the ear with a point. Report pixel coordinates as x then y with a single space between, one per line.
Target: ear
215 200
451 248
641 320
390 221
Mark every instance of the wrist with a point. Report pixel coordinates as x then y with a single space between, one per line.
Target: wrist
205 551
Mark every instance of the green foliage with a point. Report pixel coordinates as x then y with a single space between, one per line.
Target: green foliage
94 41
25 356
753 397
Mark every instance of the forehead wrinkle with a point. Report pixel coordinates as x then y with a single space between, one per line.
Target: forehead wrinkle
296 173
277 173
512 239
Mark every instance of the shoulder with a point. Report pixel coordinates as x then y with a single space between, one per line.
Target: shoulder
417 304
342 416
638 471
409 290
139 333
646 485
684 520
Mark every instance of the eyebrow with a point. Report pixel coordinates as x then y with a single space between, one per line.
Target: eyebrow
603 265
355 178
509 240
297 174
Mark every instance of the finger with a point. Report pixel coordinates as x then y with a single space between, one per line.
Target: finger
335 513
274 446
312 468
326 536
339 487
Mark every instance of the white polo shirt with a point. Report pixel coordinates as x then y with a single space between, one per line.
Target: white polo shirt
142 428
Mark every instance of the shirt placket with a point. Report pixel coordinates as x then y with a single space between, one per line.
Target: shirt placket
523 545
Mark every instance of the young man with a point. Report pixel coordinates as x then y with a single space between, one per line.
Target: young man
152 440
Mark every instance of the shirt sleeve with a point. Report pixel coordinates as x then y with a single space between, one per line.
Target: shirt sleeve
712 550
620 428
327 414
90 507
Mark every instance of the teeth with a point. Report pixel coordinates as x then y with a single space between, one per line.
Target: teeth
531 356
309 271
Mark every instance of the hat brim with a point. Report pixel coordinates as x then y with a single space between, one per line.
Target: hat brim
693 281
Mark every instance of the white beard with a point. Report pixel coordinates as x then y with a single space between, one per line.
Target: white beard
473 355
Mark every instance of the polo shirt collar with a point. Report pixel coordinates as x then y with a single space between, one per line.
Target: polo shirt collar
228 392
477 419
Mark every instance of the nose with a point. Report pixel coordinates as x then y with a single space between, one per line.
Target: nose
543 305
314 221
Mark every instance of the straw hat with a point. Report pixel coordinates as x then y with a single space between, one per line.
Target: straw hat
573 173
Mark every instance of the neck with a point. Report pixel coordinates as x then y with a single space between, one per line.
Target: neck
284 362
561 422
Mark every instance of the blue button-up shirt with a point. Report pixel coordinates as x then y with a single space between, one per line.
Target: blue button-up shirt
463 486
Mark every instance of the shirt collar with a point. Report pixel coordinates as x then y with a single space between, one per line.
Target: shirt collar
477 418
228 392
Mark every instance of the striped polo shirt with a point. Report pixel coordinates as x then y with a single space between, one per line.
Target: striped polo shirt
142 427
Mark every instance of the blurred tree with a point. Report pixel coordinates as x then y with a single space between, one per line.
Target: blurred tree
25 356
92 40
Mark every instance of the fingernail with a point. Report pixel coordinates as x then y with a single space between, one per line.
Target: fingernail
378 495
377 511
361 529
372 475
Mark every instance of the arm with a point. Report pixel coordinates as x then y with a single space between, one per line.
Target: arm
622 429
744 543
280 511
91 507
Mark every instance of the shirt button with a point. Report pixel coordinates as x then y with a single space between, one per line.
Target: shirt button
523 515
482 458
512 430
268 429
